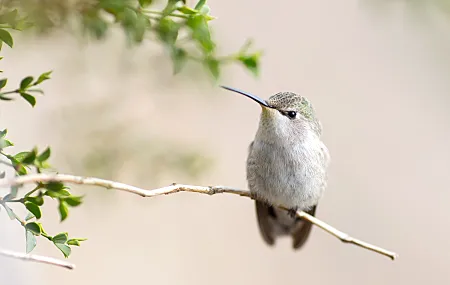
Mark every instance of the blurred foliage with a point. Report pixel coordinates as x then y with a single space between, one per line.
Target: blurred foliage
415 5
183 30
185 33
112 145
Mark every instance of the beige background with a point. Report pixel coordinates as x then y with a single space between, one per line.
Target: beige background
378 78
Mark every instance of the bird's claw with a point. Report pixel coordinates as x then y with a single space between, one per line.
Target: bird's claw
293 212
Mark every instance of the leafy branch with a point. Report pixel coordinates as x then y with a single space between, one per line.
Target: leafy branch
23 163
25 89
138 21
184 32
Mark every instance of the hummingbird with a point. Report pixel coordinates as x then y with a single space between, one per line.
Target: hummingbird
286 166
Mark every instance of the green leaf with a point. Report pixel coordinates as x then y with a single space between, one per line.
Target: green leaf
200 4
187 10
56 189
38 200
251 62
4 98
64 249
54 186
3 83
26 82
22 24
33 208
30 241
44 76
171 6
9 17
200 32
5 37
20 169
44 155
4 143
34 227
44 165
58 194
75 241
168 30
7 198
95 25
10 212
145 3
63 210
13 191
29 158
142 22
29 98
21 155
128 18
179 58
74 201
113 6
60 238
213 66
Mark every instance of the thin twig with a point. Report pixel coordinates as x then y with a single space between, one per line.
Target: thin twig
37 258
210 190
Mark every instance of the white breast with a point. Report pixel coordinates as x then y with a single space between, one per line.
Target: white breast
291 174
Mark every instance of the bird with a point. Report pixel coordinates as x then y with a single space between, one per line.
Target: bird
287 166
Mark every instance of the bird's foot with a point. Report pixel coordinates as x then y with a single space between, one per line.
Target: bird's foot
293 212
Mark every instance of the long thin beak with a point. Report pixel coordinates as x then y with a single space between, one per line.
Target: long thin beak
253 97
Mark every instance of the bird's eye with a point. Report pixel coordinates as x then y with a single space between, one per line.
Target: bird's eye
291 114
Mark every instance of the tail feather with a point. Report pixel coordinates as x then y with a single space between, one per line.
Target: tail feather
264 214
301 231
276 222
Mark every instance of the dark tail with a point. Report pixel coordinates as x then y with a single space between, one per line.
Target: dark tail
302 229
276 222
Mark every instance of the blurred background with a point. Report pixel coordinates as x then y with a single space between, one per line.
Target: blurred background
377 74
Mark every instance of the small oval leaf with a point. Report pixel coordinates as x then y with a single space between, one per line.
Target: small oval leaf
65 249
44 155
60 238
29 98
5 37
63 210
74 201
3 83
26 82
30 241
38 200
33 227
34 209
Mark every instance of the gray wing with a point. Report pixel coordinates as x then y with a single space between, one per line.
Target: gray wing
265 215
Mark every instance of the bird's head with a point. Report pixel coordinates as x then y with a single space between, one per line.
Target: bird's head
285 114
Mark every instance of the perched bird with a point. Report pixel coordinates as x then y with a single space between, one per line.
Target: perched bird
286 165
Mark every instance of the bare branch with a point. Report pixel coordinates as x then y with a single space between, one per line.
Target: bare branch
37 258
210 190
